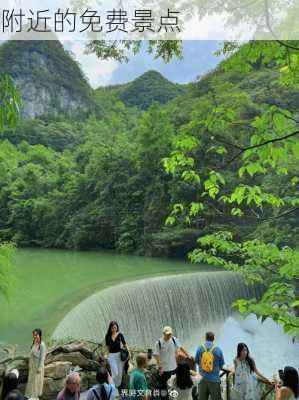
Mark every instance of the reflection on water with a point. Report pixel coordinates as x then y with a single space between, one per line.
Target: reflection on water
51 282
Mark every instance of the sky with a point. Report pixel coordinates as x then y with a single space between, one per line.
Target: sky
198 54
198 59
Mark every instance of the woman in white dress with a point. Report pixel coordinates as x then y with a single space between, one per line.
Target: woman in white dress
246 383
182 382
34 388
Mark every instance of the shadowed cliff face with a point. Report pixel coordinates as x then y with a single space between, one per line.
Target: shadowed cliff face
48 78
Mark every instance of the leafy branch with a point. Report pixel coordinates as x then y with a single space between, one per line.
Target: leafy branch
279 139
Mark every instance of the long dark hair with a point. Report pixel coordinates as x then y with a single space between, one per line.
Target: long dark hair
108 334
39 332
102 377
291 380
183 376
248 359
10 383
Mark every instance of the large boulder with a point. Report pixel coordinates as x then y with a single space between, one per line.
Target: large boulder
60 361
58 369
52 387
77 346
88 379
76 359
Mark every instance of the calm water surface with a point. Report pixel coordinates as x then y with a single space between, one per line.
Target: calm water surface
50 282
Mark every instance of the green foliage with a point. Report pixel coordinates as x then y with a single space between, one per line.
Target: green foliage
219 161
120 50
48 67
253 152
145 90
9 115
276 269
9 103
57 133
6 274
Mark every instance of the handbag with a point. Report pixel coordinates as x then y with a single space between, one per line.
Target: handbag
124 355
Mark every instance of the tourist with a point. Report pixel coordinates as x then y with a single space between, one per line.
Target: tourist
288 387
183 381
210 360
115 342
103 362
34 388
246 373
105 389
137 384
72 388
10 386
166 349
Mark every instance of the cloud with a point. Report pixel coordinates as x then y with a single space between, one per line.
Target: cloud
98 72
214 27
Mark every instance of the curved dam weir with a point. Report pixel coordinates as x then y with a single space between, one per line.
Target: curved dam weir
190 303
49 283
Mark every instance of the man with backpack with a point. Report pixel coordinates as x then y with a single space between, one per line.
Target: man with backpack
166 349
209 358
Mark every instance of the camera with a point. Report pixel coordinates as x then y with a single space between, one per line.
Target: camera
280 374
149 354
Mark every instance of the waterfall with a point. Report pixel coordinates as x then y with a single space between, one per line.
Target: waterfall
189 303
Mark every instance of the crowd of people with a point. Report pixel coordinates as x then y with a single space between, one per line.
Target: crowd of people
179 375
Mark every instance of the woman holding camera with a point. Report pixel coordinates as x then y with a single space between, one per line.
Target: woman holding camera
288 387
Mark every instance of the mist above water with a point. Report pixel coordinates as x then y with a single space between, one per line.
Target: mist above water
192 304
269 346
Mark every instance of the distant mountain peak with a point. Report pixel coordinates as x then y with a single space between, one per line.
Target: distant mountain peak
146 89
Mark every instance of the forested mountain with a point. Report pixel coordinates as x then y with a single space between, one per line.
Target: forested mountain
146 89
101 183
50 82
48 78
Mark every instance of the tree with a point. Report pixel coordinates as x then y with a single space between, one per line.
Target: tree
9 115
263 18
9 103
271 147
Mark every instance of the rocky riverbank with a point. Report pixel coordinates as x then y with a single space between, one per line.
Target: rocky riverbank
60 361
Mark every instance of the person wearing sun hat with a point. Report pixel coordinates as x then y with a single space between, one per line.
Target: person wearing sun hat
166 349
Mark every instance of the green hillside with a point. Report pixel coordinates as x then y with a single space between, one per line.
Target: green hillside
146 89
101 183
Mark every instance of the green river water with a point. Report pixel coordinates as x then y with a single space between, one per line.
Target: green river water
48 283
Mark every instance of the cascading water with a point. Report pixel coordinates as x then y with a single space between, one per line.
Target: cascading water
270 347
188 302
